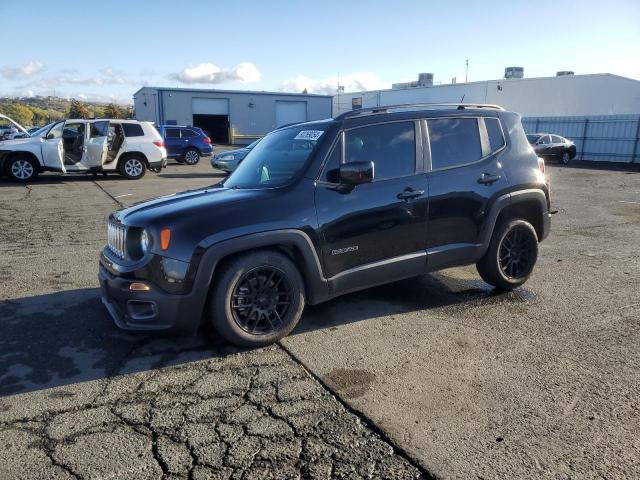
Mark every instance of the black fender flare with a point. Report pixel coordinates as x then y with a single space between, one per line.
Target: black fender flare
505 201
206 259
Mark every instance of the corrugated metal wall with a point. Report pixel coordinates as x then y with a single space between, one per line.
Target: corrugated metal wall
606 138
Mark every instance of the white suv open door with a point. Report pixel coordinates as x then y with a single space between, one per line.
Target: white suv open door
96 151
52 151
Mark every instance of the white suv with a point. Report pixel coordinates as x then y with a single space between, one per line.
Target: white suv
128 147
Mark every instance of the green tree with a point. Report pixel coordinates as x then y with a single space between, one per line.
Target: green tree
19 113
113 111
78 109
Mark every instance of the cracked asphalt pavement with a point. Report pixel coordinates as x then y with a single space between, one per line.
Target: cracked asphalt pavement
81 399
434 376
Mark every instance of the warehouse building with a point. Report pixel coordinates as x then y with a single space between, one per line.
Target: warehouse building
565 94
229 116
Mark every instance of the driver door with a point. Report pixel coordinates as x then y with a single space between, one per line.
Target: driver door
97 146
52 151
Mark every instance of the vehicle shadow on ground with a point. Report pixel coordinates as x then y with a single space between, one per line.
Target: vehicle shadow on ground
426 292
55 179
67 337
193 175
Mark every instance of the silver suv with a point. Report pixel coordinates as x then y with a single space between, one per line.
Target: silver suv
128 147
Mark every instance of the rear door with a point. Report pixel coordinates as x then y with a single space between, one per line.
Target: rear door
188 138
557 145
466 176
173 142
382 221
52 152
96 151
543 147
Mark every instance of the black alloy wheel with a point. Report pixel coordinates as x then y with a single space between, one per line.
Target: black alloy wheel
261 300
257 298
517 253
511 256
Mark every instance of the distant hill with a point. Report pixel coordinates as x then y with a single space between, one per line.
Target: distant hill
33 111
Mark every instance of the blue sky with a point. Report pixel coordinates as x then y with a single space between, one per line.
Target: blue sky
108 50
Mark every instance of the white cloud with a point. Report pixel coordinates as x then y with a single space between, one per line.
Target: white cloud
355 82
244 72
25 70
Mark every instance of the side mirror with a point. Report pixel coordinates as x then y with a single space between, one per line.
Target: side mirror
355 173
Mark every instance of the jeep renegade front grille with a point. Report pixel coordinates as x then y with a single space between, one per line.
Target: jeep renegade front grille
116 238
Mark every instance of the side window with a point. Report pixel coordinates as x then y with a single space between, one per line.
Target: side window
494 131
545 140
56 131
99 129
331 168
454 142
171 133
556 139
73 130
390 146
186 133
132 130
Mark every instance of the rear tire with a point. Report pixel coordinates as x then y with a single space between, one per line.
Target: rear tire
511 256
22 169
191 156
133 167
257 299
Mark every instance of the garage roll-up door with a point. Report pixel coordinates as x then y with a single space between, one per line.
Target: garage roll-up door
210 106
290 112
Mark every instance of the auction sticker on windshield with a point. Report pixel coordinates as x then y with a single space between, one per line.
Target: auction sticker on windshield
311 135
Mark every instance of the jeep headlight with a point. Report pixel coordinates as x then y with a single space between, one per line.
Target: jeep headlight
227 157
144 242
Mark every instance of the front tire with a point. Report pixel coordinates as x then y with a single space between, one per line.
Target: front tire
191 156
566 157
22 169
133 168
511 256
258 298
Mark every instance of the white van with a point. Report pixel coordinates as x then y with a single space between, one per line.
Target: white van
128 147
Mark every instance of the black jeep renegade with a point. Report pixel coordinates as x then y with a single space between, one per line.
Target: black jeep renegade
323 208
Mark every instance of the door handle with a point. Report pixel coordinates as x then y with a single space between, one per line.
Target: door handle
488 179
409 193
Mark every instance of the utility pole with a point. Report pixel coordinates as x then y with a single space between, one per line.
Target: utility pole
466 73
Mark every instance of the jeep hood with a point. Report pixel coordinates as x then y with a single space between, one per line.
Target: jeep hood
174 208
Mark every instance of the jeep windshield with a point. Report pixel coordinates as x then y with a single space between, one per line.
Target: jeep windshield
278 157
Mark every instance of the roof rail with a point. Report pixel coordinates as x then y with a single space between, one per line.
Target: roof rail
415 106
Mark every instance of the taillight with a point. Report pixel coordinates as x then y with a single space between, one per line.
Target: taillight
207 140
158 143
541 164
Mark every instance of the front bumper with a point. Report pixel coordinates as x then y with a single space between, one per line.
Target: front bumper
149 310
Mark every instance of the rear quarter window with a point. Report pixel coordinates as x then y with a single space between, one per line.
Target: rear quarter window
494 132
132 130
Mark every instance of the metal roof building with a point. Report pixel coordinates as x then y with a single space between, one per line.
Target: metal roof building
563 95
229 116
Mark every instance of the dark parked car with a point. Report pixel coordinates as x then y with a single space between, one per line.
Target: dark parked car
186 144
230 159
320 209
552 146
